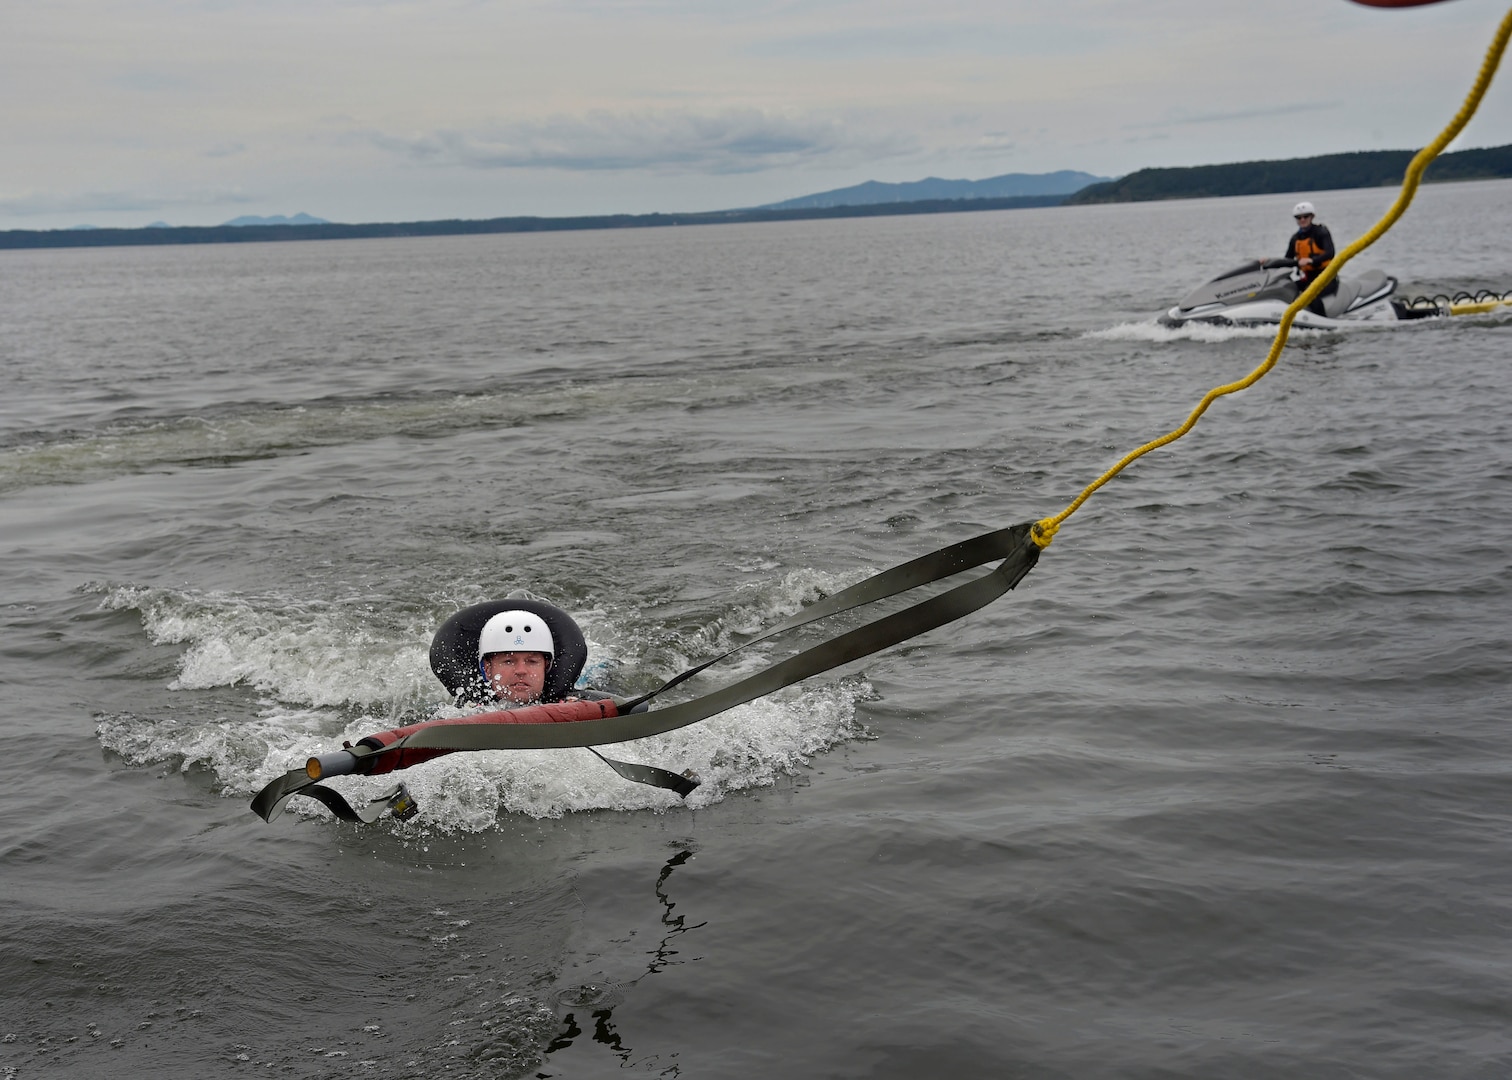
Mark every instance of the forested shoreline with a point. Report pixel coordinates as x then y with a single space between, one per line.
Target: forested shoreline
1369 168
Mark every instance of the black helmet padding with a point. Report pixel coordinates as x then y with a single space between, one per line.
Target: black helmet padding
454 649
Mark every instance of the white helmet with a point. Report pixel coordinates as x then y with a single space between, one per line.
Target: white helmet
1303 208
515 631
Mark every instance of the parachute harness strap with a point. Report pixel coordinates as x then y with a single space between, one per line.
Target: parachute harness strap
1044 530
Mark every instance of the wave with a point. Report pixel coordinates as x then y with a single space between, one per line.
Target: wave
323 673
1150 331
250 432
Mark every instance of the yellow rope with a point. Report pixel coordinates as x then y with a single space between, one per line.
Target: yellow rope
1044 530
1478 307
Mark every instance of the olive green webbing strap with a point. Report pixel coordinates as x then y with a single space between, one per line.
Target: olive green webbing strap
271 800
682 783
1011 545
910 575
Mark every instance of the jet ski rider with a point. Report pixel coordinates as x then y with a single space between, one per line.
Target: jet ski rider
1312 247
515 653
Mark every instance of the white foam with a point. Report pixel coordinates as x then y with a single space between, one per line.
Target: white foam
750 746
327 674
303 653
1151 331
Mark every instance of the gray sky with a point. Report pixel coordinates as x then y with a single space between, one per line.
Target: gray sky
125 112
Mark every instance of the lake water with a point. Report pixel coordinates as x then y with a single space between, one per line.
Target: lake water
1223 789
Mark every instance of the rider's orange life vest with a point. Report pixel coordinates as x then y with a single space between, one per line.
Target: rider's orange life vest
1307 249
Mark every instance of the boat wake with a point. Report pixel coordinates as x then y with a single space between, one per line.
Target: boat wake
1152 331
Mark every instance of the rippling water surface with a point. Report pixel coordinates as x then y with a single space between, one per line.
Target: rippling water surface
1222 790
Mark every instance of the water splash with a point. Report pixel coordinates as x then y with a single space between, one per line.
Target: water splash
299 651
1207 333
328 673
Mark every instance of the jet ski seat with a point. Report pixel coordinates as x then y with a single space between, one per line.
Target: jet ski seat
1368 283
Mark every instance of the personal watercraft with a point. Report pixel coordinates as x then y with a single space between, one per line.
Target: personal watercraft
1260 291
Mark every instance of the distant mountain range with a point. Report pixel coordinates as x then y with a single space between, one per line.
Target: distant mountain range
233 233
234 223
1375 168
276 219
1007 186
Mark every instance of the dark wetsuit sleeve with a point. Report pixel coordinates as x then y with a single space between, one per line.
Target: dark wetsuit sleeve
1324 239
1291 246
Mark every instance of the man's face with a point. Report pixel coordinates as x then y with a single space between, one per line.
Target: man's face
1304 220
519 677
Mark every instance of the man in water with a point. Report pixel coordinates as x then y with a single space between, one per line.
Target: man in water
1313 247
515 653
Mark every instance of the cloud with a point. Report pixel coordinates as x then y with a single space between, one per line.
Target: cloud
990 144
85 202
152 82
732 141
934 38
1259 112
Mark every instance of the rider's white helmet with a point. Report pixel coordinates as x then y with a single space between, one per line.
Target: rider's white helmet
1303 208
516 631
